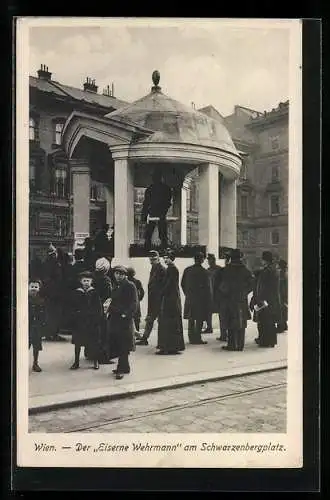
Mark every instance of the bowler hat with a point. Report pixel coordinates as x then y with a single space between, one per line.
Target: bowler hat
267 256
235 254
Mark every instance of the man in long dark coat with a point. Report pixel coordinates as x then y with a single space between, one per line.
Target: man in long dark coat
54 293
170 329
267 298
196 288
124 302
282 325
212 270
236 284
155 286
221 302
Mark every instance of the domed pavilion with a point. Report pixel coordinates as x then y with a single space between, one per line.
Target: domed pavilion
122 150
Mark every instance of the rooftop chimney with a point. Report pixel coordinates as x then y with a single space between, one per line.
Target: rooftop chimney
44 73
90 86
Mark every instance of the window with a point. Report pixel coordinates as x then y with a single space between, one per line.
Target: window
275 237
274 205
274 142
60 182
61 225
275 173
33 129
94 192
244 205
32 175
58 133
243 173
245 238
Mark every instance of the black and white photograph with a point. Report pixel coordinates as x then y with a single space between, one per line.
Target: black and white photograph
159 249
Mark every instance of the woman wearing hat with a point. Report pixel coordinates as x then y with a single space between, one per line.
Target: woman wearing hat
87 316
121 311
103 286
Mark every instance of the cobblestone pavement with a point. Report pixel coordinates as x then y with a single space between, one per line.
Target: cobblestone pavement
253 403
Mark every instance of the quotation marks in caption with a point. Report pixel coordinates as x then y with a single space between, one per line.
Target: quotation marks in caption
164 447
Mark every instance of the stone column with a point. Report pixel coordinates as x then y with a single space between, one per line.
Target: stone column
228 223
177 211
208 205
124 209
81 195
184 207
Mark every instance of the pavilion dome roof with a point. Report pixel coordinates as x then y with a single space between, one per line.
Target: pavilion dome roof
170 121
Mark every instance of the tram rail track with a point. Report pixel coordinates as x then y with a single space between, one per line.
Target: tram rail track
177 407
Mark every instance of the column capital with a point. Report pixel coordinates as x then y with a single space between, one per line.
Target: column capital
119 152
79 166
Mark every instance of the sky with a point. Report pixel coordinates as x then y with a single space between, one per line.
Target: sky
212 64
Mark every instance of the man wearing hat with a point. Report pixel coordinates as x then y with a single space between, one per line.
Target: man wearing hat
196 288
155 287
282 326
54 293
267 302
212 270
120 323
236 284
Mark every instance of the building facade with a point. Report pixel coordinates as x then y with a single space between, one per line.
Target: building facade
50 193
262 189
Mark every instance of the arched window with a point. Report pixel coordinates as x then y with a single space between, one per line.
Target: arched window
33 129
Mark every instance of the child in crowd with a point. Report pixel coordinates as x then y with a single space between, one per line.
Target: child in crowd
87 316
36 321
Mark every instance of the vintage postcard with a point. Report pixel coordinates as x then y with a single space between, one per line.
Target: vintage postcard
159 242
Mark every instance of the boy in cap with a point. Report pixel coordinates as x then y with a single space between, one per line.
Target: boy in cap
36 321
87 316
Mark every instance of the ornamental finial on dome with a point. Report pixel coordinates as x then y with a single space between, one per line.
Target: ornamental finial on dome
155 79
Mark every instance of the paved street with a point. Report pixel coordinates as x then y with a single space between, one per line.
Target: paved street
253 403
58 384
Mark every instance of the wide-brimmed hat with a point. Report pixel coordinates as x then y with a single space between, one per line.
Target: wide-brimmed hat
102 264
120 269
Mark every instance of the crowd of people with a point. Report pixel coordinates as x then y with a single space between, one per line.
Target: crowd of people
99 305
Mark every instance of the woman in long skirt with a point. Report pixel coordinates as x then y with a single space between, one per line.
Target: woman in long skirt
170 329
120 324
